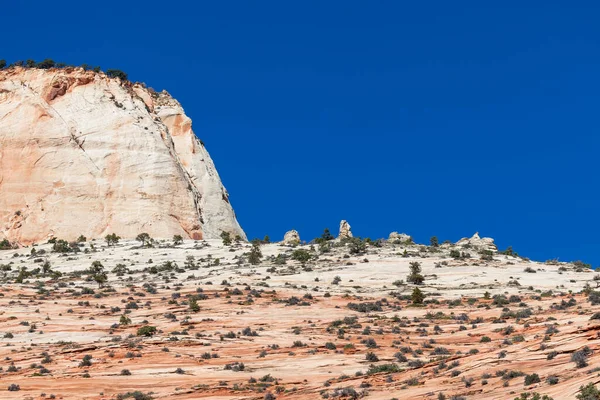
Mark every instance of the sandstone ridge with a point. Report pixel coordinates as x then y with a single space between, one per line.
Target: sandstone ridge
85 154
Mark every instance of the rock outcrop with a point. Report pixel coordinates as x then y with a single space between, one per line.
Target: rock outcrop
84 154
345 230
291 237
402 237
478 242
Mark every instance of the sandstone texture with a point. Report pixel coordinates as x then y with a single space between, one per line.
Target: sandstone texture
340 325
84 154
291 237
345 230
403 237
478 242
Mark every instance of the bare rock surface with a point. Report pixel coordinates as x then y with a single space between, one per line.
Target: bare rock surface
196 320
345 230
291 237
403 237
84 154
478 242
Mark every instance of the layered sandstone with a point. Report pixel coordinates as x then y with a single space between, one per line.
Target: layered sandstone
84 154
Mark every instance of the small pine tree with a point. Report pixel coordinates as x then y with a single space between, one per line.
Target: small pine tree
255 254
193 304
2 64
46 267
266 239
415 273
177 240
434 241
327 235
417 296
97 273
226 236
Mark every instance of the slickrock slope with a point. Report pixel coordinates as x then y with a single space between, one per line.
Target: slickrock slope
84 154
338 324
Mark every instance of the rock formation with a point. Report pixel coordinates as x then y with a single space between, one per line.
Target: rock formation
291 237
345 230
478 242
403 237
84 154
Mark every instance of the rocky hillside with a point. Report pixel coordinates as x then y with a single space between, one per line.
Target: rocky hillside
85 154
340 319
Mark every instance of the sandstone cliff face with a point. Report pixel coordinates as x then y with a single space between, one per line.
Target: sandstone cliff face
81 153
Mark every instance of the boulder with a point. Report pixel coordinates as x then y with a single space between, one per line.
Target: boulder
345 230
478 242
291 237
403 237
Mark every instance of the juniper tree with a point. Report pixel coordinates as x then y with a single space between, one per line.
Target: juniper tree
415 273
255 254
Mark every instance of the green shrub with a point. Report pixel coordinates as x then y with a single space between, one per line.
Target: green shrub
417 296
226 236
116 73
531 379
588 392
301 255
146 331
46 64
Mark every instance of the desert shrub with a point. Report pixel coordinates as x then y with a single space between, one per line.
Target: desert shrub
356 245
86 361
112 239
13 387
226 236
177 240
330 346
146 330
387 368
580 357
137 395
588 392
366 306
594 297
533 396
531 379
116 73
417 296
301 255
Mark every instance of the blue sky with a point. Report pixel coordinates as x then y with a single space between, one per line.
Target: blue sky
430 118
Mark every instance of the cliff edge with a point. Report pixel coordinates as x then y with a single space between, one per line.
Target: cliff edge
85 154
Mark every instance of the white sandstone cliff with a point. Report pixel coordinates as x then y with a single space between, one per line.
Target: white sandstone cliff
84 154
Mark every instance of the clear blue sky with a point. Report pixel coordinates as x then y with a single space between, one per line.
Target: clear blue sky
430 118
